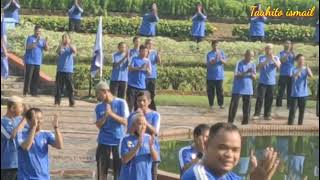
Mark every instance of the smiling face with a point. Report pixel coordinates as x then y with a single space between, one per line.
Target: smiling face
37 32
223 151
300 61
143 102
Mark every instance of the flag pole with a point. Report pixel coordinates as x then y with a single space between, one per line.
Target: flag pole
101 49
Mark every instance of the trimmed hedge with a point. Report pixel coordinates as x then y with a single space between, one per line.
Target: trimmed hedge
182 79
279 32
116 25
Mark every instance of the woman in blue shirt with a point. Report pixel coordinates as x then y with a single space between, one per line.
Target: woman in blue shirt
65 51
299 91
149 22
199 23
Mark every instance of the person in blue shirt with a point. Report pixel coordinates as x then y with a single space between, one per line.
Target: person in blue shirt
155 60
199 23
33 59
267 65
139 69
111 119
11 124
75 13
11 10
192 154
222 154
137 151
215 74
134 52
149 22
153 124
244 75
33 158
257 25
66 51
287 64
119 75
299 91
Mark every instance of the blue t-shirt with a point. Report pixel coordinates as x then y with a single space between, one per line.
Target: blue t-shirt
34 55
153 55
12 11
198 25
244 85
199 172
34 164
120 72
186 155
112 131
9 151
65 60
300 84
133 53
268 72
75 12
148 25
287 67
137 79
140 166
215 71
257 25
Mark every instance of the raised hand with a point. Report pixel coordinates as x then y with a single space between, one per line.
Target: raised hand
34 121
151 141
55 122
108 109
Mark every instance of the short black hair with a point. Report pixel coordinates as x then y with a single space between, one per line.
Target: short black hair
214 42
198 130
28 114
135 38
144 93
298 56
222 125
36 27
142 47
121 43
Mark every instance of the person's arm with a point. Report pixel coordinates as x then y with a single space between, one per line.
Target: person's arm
58 50
18 128
125 58
46 46
254 72
309 72
148 68
204 17
222 58
71 9
73 49
58 136
153 152
151 128
30 44
100 120
298 73
114 116
263 64
238 74
132 68
131 154
16 4
276 62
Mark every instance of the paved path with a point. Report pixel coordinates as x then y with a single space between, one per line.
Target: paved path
80 132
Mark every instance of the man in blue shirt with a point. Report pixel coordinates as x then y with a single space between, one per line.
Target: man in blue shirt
111 119
11 10
199 23
257 25
137 151
119 75
149 22
215 74
244 74
75 13
155 60
299 91
65 51
222 154
134 52
33 147
190 155
267 65
11 124
33 59
287 65
139 69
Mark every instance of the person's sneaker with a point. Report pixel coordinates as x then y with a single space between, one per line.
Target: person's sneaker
269 118
256 118
221 107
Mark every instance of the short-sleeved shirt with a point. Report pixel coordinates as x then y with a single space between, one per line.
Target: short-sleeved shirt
300 84
268 72
65 60
186 155
199 172
287 67
34 164
120 72
75 12
149 24
137 79
112 131
140 166
153 56
257 25
198 25
244 85
215 71
34 55
9 146
133 53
